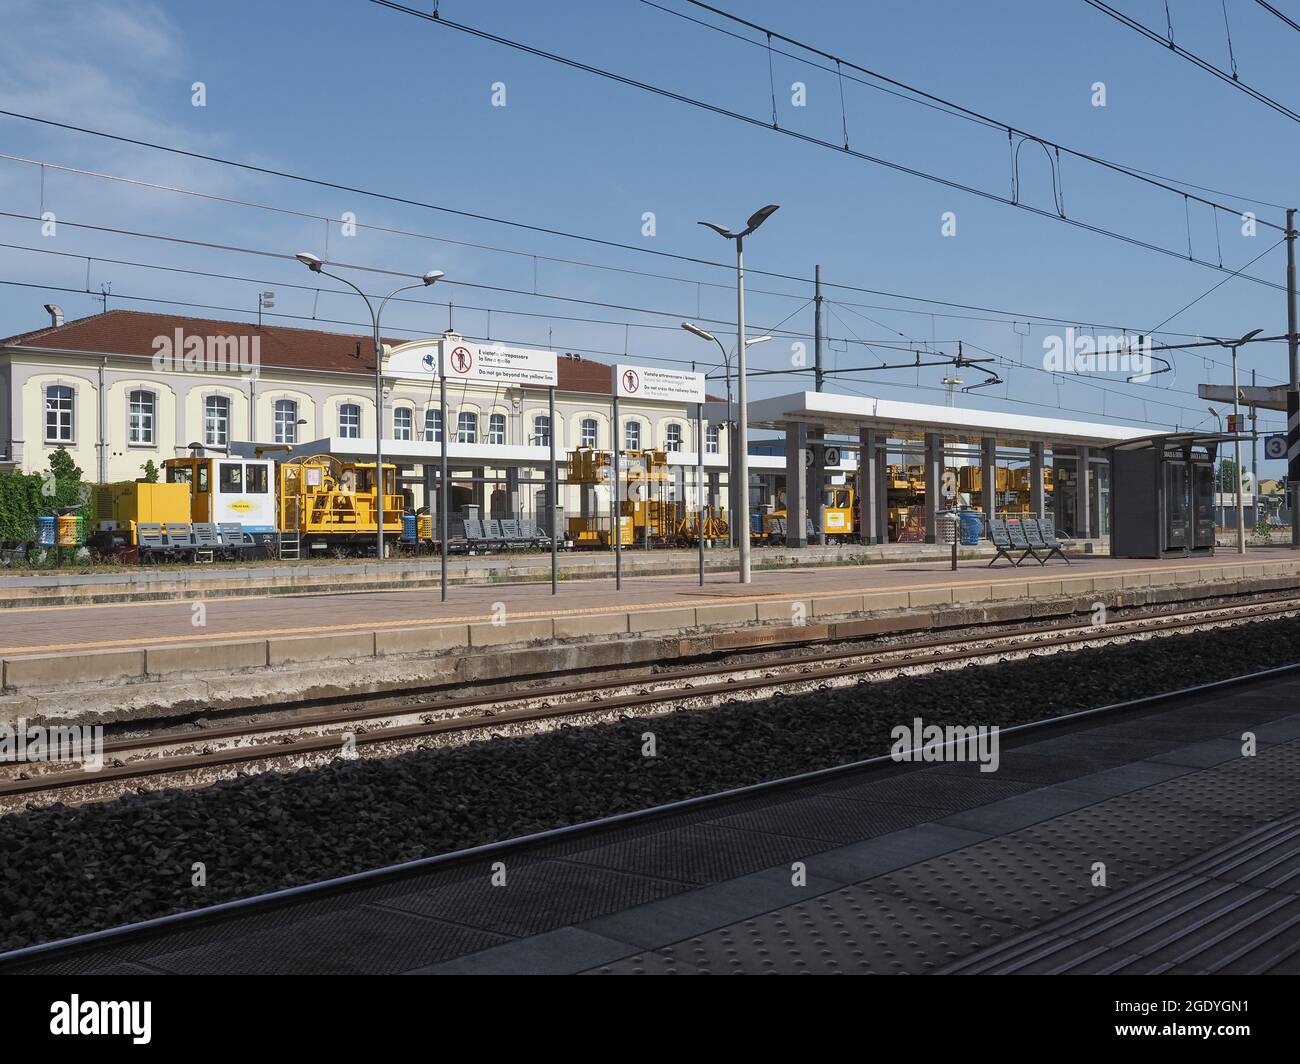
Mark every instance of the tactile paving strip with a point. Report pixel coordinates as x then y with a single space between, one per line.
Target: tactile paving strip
828 820
849 931
948 791
1016 882
536 896
361 941
699 854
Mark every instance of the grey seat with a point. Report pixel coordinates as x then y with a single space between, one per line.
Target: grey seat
178 541
1043 536
1001 541
206 541
149 538
1020 542
533 534
511 536
492 531
474 535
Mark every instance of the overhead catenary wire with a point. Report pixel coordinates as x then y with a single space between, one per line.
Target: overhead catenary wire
817 141
1229 77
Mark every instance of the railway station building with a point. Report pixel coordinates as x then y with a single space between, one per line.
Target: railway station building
121 388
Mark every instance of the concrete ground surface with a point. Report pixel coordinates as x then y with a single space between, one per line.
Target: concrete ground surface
925 869
97 626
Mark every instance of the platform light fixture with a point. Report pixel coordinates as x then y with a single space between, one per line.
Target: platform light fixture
316 265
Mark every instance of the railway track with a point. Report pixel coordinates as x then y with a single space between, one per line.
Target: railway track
394 724
61 951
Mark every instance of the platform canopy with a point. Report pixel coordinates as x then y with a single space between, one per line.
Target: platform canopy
849 414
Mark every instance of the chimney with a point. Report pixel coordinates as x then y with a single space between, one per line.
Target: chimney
56 314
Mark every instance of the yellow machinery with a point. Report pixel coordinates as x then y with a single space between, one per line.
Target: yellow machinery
331 504
645 512
119 508
839 514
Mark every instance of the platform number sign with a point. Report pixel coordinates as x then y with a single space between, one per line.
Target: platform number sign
1275 446
831 456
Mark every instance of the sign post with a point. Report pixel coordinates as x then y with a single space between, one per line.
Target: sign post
453 358
615 507
699 482
555 500
664 386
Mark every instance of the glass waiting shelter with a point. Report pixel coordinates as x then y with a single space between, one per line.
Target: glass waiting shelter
1162 492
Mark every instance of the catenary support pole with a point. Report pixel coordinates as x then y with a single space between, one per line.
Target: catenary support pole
444 481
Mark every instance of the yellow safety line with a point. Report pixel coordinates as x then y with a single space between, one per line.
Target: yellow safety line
435 622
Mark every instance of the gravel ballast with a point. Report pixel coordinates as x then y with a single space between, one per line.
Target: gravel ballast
66 870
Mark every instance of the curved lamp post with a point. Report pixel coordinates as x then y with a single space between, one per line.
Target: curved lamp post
314 264
742 430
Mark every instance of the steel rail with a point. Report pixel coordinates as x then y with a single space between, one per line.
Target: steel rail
330 743
144 928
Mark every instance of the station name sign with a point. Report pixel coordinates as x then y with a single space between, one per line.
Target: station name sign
467 361
664 385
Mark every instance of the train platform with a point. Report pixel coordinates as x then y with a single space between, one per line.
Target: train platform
407 636
1144 844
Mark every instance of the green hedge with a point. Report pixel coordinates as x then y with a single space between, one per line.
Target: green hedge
25 496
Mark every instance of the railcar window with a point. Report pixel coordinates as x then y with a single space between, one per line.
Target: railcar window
179 475
232 477
255 476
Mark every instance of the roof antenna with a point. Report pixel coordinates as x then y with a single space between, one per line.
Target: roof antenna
105 290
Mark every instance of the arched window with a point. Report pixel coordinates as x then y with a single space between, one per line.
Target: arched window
632 436
403 422
350 421
589 429
141 406
433 426
673 438
497 429
58 413
286 421
542 430
216 421
467 428
711 444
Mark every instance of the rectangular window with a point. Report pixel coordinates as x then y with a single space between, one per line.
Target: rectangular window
497 429
402 419
58 414
350 421
139 425
632 436
589 432
286 421
542 430
231 477
711 445
433 426
255 479
674 438
216 421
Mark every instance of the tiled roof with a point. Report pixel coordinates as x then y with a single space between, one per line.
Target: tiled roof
131 332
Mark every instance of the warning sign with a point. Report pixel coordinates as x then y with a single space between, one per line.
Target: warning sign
661 385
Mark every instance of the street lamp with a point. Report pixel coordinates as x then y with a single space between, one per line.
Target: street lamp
314 264
1236 425
742 431
731 425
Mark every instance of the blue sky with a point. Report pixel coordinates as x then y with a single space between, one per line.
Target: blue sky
352 93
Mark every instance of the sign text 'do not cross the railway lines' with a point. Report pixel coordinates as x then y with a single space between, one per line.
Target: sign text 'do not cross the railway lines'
466 361
664 385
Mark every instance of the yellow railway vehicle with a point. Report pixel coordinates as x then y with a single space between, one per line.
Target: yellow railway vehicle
331 504
121 507
646 510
